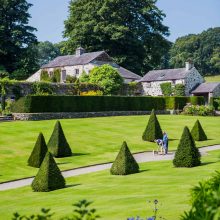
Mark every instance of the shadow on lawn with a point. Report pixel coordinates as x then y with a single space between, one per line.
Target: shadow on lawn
207 163
173 139
72 185
79 154
141 171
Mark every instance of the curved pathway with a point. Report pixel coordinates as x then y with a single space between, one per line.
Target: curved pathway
140 158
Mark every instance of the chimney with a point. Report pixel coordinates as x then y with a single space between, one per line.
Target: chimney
80 51
189 65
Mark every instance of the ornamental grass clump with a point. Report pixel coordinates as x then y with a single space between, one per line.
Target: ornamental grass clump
38 153
153 130
58 144
48 177
124 163
198 133
187 154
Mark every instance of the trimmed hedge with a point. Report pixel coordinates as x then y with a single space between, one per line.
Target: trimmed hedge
38 153
187 154
48 177
36 104
58 144
198 133
124 163
153 130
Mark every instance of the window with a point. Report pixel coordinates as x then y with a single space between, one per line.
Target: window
76 72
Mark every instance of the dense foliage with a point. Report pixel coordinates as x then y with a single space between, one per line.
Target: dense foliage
47 51
215 102
108 78
124 163
187 154
39 103
58 144
202 110
197 132
166 88
38 153
153 130
48 177
179 90
134 36
17 41
205 200
202 48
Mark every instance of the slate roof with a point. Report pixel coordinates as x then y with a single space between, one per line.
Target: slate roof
166 74
206 87
72 60
128 74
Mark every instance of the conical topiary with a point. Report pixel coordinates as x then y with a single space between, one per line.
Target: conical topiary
187 154
49 176
153 130
38 153
124 163
58 144
198 133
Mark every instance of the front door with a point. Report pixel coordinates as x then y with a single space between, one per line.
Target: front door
63 76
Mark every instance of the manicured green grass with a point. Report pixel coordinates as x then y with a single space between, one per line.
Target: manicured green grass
118 197
93 140
212 78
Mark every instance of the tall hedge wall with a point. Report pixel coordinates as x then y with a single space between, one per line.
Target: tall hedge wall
36 104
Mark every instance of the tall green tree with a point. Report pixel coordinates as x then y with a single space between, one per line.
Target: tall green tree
130 31
203 49
46 52
16 36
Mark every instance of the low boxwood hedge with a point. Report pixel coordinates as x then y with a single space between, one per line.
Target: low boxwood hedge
50 103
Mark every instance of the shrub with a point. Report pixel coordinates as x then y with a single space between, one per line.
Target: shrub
153 130
202 110
44 76
187 154
48 177
108 78
166 88
42 88
70 79
205 200
38 153
215 102
179 90
124 163
91 93
58 144
84 78
198 133
56 76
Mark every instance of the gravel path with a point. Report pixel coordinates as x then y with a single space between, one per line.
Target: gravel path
140 158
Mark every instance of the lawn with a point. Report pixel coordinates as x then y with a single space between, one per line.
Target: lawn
118 197
93 140
212 78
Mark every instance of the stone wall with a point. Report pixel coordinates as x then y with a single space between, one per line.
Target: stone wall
68 115
26 88
192 80
216 92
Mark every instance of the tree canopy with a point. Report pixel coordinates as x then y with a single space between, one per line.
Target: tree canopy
203 49
108 78
134 36
16 37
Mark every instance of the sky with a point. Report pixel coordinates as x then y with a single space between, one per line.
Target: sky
182 17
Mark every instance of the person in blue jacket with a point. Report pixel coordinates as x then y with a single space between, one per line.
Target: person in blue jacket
165 142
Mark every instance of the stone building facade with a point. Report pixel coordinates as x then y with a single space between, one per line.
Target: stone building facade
188 76
75 65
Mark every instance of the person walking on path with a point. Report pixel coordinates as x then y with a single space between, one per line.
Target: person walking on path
165 142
